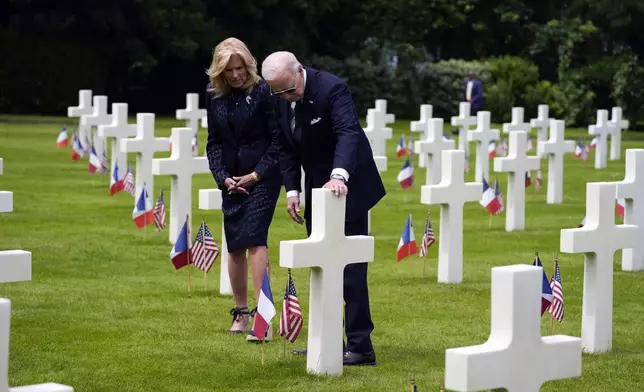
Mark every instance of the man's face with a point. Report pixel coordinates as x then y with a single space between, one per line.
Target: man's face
288 86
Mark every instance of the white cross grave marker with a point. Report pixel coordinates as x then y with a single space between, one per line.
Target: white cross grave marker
144 145
98 117
451 193
517 163
483 135
632 189
421 126
555 148
117 130
84 108
15 266
381 104
515 357
517 123
6 197
377 132
464 121
598 239
210 199
181 166
542 123
601 129
616 137
433 146
192 114
326 252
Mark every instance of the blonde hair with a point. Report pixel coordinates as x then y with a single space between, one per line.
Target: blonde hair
220 58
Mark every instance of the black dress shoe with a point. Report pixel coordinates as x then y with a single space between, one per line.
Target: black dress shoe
299 352
359 359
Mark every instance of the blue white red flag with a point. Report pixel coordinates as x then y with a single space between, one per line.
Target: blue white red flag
180 253
546 291
407 245
265 309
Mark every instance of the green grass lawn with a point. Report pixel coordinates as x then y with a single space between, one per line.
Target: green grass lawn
107 312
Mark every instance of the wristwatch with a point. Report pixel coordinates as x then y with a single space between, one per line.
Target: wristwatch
338 177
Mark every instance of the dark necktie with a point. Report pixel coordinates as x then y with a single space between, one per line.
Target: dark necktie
295 128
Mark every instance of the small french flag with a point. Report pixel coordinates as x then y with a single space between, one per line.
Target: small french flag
406 175
265 309
116 185
407 245
62 140
489 199
143 214
94 162
491 150
621 204
401 149
180 253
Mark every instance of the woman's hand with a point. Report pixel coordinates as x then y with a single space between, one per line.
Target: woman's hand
244 183
233 187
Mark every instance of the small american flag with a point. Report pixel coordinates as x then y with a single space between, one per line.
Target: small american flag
159 212
291 318
537 183
204 250
428 238
128 181
104 164
557 306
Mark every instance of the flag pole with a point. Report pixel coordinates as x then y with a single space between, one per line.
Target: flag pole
489 225
188 245
411 382
263 350
205 275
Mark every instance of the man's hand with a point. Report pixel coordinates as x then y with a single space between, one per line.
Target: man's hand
293 209
337 186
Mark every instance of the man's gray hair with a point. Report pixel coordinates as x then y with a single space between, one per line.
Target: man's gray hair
277 63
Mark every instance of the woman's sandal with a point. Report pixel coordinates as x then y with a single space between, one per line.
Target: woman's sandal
241 320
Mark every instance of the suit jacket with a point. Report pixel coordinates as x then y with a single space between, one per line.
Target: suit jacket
248 141
331 137
477 94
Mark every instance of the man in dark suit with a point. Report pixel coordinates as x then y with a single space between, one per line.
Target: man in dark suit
321 132
473 94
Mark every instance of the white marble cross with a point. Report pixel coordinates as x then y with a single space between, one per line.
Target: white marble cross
517 123
326 252
517 163
181 166
381 104
555 148
6 197
210 199
515 357
451 193
421 126
192 114
144 145
464 121
616 137
601 129
598 239
632 190
84 108
433 146
542 123
483 135
377 132
15 266
117 130
98 117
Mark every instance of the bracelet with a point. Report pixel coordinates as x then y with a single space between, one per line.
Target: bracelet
255 176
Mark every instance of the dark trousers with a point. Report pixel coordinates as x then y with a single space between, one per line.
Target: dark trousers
357 314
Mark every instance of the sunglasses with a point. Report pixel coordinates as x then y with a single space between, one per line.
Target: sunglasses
286 90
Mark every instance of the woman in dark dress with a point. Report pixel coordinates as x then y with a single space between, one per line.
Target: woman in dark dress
244 160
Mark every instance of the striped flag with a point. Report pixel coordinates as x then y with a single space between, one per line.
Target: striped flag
557 306
159 212
128 181
538 182
428 238
291 318
204 250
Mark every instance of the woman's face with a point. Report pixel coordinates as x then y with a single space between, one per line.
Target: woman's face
235 72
